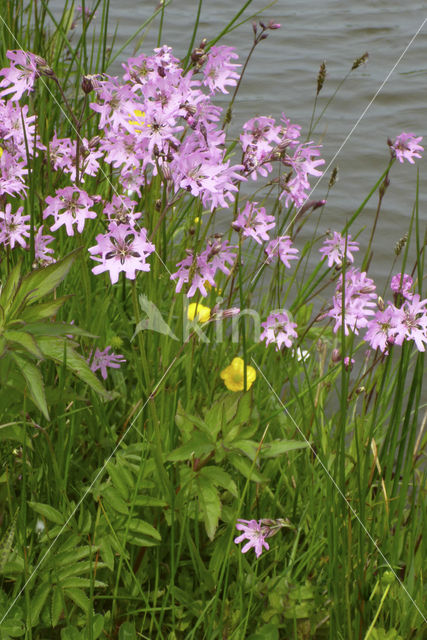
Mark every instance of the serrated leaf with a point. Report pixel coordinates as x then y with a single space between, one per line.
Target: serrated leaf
219 478
144 528
248 447
141 541
120 481
79 598
34 382
199 445
48 512
149 501
210 505
24 340
113 498
245 467
279 447
57 605
6 542
107 553
84 583
38 599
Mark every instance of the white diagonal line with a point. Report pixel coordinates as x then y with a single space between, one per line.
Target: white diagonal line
48 550
353 511
350 133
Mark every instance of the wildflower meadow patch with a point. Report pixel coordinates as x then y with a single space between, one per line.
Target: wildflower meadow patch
206 431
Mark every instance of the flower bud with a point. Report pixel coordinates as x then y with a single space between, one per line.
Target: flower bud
336 356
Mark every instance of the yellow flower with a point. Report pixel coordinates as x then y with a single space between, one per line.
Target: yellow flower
203 313
234 378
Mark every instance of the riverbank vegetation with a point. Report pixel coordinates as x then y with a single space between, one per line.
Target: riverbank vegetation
210 427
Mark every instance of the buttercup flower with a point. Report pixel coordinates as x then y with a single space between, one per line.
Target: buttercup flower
233 375
199 312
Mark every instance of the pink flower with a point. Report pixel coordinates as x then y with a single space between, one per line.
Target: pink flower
411 322
359 298
281 247
406 147
20 77
14 227
70 206
103 359
42 251
254 222
278 329
381 329
337 247
12 172
218 70
401 283
123 248
255 533
199 269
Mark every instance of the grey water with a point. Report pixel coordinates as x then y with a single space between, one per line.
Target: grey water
379 100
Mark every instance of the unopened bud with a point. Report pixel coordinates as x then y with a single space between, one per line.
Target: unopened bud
336 355
89 83
380 303
158 204
274 25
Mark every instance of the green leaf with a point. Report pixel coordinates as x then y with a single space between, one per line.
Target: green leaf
79 598
127 631
42 281
248 447
44 310
15 431
210 505
38 600
10 287
97 625
144 528
279 447
198 446
266 632
48 512
6 542
106 552
57 605
70 633
34 382
119 479
24 340
56 329
245 468
113 498
219 478
54 348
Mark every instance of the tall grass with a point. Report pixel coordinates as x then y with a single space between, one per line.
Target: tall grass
120 499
